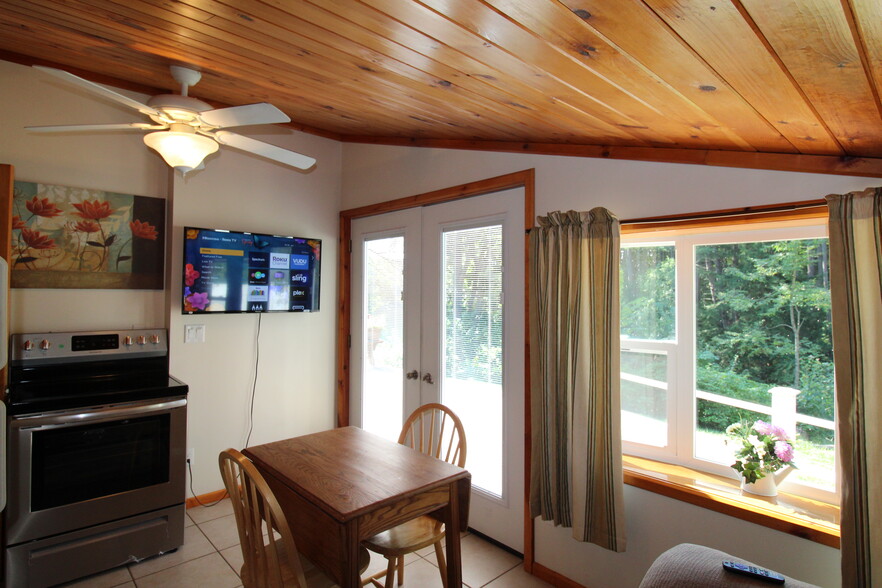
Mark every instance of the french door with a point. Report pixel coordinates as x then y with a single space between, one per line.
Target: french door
438 316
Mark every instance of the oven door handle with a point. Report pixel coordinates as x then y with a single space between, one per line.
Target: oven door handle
68 418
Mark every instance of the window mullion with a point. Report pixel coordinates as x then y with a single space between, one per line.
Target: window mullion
685 377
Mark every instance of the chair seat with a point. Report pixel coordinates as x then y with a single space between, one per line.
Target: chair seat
407 537
314 577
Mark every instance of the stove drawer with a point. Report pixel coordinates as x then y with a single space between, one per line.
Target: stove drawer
66 557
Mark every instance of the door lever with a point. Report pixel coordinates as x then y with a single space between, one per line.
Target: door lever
412 375
428 378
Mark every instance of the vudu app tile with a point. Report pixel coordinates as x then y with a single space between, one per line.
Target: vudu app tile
299 278
299 262
258 259
258 276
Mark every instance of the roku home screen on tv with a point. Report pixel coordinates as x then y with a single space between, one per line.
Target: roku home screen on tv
227 271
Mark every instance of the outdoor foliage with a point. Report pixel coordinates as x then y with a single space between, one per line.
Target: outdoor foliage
762 320
647 292
473 304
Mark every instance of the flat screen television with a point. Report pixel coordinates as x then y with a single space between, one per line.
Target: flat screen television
230 271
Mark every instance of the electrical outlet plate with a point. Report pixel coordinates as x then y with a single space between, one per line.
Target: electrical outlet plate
190 453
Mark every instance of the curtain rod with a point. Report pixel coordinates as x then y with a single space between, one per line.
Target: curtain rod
731 212
725 213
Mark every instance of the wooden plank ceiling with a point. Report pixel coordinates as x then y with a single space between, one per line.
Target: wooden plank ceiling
762 84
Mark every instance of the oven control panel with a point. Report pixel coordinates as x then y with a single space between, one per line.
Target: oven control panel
87 345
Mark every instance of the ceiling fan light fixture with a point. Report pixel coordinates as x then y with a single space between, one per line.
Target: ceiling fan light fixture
183 151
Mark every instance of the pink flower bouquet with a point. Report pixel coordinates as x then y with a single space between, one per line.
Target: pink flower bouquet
761 449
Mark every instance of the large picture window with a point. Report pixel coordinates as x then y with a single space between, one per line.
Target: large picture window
725 327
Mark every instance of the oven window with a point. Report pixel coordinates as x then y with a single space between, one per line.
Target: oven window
74 464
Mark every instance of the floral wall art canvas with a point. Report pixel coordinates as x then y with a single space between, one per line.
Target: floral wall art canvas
64 237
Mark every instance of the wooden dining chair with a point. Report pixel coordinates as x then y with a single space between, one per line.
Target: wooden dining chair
270 555
435 430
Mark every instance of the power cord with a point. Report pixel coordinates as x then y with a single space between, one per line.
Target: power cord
254 381
196 498
250 417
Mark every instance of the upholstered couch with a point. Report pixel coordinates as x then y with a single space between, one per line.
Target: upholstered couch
695 566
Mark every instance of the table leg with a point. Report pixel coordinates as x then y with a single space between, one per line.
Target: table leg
451 532
351 578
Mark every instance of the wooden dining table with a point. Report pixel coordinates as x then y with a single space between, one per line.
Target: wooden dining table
342 486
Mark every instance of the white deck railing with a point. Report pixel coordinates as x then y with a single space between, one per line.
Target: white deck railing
782 411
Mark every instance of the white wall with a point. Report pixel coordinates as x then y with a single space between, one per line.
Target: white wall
115 162
631 190
296 384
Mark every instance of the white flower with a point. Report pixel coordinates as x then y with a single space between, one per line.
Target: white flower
758 445
730 430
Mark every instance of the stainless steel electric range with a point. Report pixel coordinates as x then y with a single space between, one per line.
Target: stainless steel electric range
96 454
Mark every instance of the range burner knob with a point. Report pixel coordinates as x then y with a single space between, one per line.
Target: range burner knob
28 345
45 345
154 338
127 341
142 340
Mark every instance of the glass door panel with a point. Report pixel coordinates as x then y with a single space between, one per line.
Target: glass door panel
382 336
472 345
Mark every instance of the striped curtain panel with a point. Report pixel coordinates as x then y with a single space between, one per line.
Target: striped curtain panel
576 467
856 293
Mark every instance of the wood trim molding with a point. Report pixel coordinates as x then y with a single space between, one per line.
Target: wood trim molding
732 505
552 577
344 317
794 211
818 164
205 499
7 177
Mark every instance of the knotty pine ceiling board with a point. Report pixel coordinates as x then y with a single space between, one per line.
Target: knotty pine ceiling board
700 80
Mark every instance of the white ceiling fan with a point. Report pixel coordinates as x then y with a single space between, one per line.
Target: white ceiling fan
186 130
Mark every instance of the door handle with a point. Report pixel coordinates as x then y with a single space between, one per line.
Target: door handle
412 375
428 378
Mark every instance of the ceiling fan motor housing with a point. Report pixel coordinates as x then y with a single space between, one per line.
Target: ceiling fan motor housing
177 108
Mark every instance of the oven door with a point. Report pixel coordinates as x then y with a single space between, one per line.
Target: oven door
72 469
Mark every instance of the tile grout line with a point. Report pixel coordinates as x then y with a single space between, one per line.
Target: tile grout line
429 558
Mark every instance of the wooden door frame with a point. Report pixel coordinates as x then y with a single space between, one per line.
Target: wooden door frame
7 178
525 179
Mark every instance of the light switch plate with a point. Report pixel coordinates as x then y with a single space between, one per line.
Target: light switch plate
194 333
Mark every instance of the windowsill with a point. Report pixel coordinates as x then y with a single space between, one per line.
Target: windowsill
809 519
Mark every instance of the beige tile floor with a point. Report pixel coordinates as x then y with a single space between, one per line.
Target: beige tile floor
211 557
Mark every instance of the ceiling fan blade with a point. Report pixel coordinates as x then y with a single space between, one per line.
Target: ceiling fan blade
98 89
107 127
250 114
264 149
